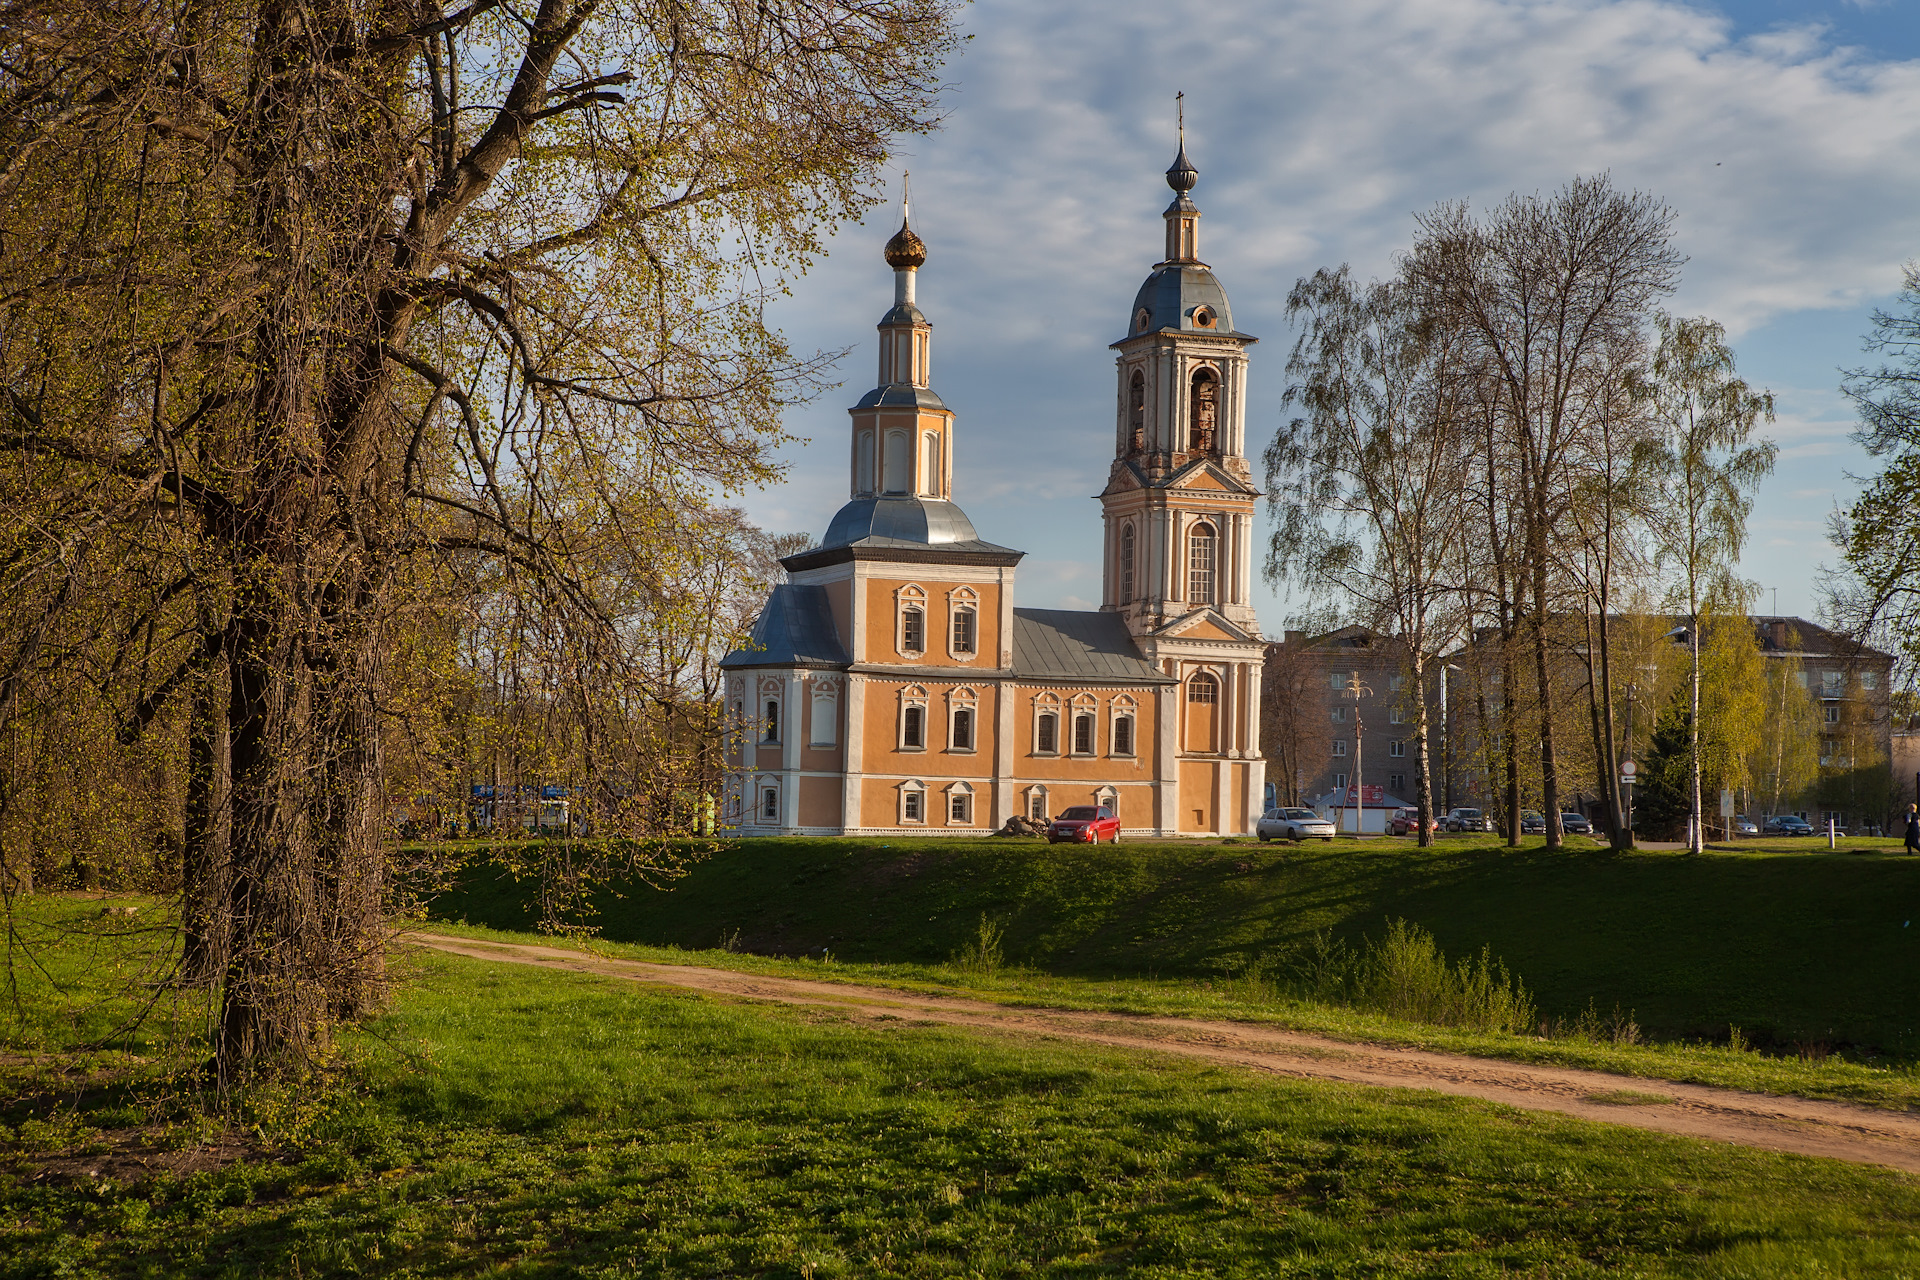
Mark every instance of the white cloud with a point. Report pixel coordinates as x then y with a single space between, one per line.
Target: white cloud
1320 127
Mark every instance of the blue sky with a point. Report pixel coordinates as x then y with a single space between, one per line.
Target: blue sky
1784 134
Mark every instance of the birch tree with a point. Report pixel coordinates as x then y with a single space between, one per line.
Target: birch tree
1701 471
1367 483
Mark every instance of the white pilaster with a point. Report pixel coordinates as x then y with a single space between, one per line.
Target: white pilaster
855 739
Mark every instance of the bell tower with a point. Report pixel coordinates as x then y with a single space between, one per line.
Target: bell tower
1179 496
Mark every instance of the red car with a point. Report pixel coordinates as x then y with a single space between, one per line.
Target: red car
1084 824
1405 822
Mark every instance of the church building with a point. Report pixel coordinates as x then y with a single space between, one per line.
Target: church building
891 685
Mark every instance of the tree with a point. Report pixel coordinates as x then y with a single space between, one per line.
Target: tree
1733 699
1879 534
332 312
1785 761
1701 470
1294 729
1367 483
1546 293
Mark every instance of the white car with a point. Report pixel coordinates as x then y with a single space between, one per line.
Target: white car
1293 824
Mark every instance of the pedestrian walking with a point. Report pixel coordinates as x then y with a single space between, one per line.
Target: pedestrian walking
1913 828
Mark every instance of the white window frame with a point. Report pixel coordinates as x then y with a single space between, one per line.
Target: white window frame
823 713
958 700
1037 798
963 600
912 695
765 790
1121 708
1108 797
1046 704
916 788
1129 544
1212 570
1339 748
1083 704
959 794
910 596
1397 748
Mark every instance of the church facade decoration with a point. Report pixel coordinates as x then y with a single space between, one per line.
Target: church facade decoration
892 686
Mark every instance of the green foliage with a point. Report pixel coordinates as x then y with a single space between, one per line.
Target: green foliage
982 955
1664 797
1791 942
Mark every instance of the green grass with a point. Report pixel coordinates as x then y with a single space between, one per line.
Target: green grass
1803 950
513 1122
1879 1082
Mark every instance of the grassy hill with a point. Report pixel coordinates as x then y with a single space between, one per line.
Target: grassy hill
1800 948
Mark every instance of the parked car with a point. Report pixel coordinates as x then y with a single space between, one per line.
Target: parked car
1533 824
1788 824
1404 822
1292 824
1468 820
1084 824
1575 824
1745 826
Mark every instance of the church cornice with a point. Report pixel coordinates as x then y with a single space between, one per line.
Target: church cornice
823 556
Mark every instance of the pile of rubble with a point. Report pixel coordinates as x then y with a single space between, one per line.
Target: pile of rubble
1019 826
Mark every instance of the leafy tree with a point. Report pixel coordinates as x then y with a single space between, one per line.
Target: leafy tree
1549 295
322 318
1701 469
1367 482
1879 534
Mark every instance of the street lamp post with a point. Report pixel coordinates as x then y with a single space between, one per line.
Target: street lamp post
1358 689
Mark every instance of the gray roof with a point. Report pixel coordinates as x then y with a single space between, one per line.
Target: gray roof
1072 644
904 522
795 630
900 395
1170 295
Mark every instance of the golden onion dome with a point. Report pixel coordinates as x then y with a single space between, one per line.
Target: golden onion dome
906 249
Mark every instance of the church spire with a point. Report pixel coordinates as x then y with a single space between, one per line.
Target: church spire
906 253
1183 216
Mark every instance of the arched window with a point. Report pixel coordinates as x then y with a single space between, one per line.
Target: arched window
863 481
960 805
1046 724
825 729
1137 413
1204 414
770 726
913 801
897 463
930 472
1085 724
911 602
1037 803
961 718
1120 736
913 718
963 622
1126 563
1202 553
1203 695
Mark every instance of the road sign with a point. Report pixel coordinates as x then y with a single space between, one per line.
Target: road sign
1628 768
1726 804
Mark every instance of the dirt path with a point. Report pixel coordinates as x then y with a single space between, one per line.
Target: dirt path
1835 1130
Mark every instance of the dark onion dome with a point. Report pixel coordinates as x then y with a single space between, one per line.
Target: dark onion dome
1182 175
906 249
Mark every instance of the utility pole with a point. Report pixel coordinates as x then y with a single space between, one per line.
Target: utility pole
1358 689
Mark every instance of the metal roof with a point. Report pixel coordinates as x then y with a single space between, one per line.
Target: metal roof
904 522
795 630
1077 645
900 395
1170 295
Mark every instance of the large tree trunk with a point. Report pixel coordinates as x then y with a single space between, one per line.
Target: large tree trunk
204 861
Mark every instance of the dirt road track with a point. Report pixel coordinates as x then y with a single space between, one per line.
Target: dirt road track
1835 1130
